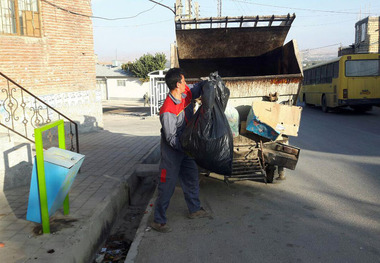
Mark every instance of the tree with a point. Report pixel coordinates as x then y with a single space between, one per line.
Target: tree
145 64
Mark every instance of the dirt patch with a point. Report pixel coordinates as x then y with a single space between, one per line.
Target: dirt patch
56 224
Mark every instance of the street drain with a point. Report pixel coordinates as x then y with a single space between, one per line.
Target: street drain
142 184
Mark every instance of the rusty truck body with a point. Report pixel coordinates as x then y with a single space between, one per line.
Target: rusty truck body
250 56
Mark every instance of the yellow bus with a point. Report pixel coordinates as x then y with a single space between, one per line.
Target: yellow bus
349 80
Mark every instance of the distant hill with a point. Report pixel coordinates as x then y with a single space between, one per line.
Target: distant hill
312 57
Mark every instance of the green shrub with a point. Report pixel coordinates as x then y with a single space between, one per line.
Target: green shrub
145 64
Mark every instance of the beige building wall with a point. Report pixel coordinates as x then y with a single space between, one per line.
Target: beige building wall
367 35
373 34
133 90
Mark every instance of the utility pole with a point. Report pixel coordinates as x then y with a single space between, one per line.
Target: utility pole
178 9
196 6
188 8
219 8
188 11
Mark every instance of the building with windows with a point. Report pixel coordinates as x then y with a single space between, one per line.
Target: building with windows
117 84
47 48
367 37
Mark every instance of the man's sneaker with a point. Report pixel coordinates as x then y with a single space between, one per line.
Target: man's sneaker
163 228
199 214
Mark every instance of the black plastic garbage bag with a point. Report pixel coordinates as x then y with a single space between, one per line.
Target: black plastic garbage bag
207 136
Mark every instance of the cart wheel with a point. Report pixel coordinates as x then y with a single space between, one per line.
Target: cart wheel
269 170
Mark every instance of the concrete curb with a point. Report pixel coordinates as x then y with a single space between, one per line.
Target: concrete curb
93 233
146 168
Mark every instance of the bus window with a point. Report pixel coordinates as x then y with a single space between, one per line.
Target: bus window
312 79
329 73
307 77
304 78
336 69
318 75
323 74
361 68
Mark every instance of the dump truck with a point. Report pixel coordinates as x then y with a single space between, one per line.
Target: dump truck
249 54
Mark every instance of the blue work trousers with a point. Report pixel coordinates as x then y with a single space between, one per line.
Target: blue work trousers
176 165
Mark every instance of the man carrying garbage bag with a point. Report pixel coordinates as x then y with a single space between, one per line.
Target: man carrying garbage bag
175 164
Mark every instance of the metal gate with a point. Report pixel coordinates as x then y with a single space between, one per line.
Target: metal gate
157 90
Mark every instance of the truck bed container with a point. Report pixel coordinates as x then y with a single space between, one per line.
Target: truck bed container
250 56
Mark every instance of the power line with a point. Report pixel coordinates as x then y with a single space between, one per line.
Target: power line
162 5
303 9
325 24
365 45
147 24
97 17
306 50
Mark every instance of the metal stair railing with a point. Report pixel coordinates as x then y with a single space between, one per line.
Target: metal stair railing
21 112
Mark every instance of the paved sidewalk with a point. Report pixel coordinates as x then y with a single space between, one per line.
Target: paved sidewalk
98 192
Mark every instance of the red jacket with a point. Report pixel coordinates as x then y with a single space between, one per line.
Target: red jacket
170 106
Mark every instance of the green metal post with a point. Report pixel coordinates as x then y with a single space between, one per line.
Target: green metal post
62 145
41 171
41 181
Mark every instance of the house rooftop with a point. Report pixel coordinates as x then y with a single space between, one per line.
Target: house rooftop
112 72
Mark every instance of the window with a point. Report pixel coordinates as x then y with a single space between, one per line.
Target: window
329 73
307 77
100 82
323 74
363 31
20 17
361 68
336 70
121 83
312 79
318 75
357 35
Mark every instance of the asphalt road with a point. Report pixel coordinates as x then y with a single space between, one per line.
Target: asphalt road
327 210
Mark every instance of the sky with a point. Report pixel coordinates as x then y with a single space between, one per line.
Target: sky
321 25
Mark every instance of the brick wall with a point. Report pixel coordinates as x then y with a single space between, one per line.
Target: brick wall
61 61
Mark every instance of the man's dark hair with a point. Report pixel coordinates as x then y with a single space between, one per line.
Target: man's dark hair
173 76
